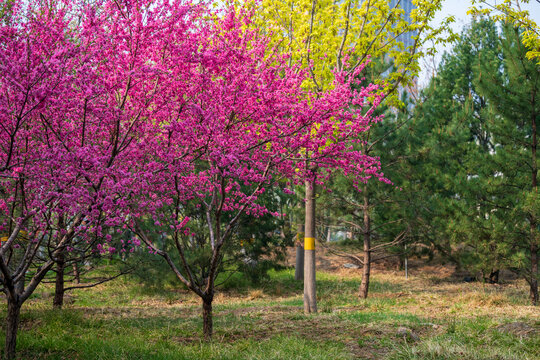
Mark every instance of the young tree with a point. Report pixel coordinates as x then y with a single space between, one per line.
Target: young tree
79 87
128 73
37 61
242 124
320 34
452 161
478 163
375 215
512 93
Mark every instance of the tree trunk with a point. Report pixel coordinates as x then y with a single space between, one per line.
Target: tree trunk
364 285
534 241
76 273
310 293
299 266
406 262
534 275
207 319
494 277
12 325
58 300
400 264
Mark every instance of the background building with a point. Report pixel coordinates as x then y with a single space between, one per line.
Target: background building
408 41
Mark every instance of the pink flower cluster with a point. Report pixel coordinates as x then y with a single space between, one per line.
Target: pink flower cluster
122 110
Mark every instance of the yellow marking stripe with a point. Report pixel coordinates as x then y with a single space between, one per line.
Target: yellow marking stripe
309 243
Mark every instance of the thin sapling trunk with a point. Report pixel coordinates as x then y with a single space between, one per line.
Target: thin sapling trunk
364 285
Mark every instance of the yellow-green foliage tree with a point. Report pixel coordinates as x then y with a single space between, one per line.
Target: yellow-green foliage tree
323 32
512 11
320 34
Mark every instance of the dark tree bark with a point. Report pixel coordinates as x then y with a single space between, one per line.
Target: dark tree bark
60 261
76 273
12 325
207 319
494 277
58 300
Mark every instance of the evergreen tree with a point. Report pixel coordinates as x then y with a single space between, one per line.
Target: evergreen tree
474 154
513 92
453 163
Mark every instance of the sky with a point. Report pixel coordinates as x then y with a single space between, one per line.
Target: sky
458 8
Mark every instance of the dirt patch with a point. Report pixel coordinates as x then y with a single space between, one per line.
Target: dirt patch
146 312
363 341
330 262
27 324
520 329
267 310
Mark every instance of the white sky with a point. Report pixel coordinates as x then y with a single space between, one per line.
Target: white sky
458 8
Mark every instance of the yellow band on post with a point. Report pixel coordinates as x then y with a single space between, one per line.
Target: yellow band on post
309 243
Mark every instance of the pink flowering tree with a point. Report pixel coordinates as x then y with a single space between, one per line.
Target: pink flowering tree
120 112
36 64
80 90
118 97
241 123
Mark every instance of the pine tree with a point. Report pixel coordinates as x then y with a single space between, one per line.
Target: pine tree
457 165
475 145
513 92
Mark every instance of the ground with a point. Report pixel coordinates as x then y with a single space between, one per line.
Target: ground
430 315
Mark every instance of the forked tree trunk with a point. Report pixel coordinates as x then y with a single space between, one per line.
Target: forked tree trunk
364 285
310 291
207 319
58 300
299 266
12 325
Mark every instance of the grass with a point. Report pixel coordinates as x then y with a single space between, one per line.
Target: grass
124 320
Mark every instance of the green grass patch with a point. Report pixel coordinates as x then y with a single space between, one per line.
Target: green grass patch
125 320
